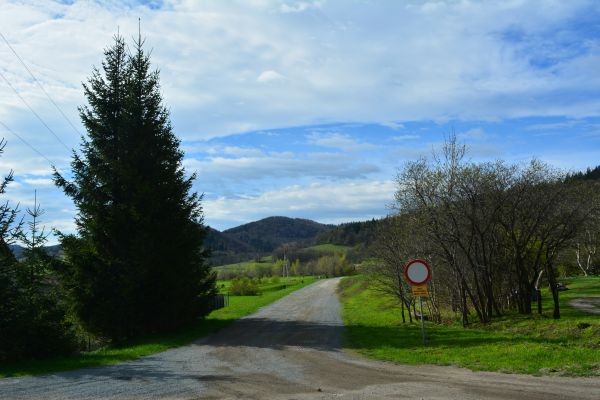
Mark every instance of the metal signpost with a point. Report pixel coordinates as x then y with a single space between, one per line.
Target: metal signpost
418 273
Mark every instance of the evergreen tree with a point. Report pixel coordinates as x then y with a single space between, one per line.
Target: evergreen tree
32 316
37 259
137 264
12 297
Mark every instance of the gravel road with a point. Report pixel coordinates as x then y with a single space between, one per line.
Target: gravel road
587 304
288 350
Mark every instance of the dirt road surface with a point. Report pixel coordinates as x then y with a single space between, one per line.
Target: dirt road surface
587 304
289 350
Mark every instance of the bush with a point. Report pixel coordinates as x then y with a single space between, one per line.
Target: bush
33 321
244 287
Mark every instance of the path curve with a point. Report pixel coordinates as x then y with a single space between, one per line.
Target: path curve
288 350
588 304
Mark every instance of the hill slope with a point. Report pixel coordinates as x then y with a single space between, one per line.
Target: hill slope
267 234
225 249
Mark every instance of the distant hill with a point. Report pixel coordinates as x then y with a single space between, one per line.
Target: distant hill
260 238
269 233
226 249
18 250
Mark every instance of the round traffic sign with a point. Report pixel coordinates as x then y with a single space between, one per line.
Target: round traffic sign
417 272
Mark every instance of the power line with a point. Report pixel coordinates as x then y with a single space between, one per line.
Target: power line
40 85
27 143
34 113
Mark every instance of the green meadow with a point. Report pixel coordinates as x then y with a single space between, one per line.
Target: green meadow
535 344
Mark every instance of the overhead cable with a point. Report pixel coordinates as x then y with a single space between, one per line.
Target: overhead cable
40 85
26 143
34 113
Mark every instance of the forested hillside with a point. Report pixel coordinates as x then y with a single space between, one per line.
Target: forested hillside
269 233
351 233
225 249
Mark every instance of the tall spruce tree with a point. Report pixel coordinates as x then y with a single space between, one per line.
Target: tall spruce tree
137 264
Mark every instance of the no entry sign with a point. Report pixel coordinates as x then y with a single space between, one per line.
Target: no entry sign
417 272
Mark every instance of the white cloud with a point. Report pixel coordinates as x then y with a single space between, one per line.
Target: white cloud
553 126
330 202
299 6
342 62
339 141
241 151
39 181
405 137
474 133
392 125
230 67
269 76
279 166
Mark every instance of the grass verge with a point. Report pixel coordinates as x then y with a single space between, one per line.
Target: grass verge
239 306
536 345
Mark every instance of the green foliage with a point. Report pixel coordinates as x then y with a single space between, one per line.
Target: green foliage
33 322
244 287
331 265
351 233
589 174
514 343
137 265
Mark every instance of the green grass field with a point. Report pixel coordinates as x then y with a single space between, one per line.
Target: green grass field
520 344
247 267
239 306
329 248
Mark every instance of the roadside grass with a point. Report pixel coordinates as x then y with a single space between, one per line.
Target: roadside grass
537 345
239 306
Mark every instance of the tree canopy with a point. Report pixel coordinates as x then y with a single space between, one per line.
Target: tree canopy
137 264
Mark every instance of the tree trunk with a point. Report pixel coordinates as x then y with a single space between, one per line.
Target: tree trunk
403 317
464 309
539 292
577 253
554 289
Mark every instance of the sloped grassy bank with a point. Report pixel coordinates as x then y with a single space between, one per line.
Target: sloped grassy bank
517 344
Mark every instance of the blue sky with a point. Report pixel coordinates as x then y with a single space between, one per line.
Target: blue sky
308 108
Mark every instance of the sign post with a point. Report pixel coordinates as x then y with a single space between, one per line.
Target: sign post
418 273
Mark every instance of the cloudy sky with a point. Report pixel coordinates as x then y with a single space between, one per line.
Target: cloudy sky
308 108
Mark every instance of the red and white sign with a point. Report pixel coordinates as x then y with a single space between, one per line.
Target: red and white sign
417 272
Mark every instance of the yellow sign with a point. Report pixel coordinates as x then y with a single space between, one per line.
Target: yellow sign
420 291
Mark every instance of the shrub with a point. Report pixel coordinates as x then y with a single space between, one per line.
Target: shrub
244 287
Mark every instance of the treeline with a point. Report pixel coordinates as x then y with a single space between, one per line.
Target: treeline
350 234
326 265
137 264
492 231
589 174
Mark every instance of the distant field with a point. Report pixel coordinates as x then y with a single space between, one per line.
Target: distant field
244 266
521 344
268 284
239 306
329 248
